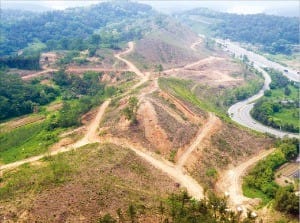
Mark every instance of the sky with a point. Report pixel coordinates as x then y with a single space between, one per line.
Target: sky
287 8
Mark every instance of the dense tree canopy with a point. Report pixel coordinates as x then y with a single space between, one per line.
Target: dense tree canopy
21 62
75 28
276 34
18 97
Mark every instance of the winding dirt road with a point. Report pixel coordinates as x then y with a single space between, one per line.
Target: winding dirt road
231 180
37 74
170 169
96 69
131 66
193 46
91 134
90 137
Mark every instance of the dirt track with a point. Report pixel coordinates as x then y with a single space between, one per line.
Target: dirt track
202 133
91 134
131 66
231 180
192 186
37 74
193 46
90 137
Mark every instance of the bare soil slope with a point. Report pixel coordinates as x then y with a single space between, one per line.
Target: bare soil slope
168 45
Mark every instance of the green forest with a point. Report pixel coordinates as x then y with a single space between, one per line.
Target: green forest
18 97
254 29
73 29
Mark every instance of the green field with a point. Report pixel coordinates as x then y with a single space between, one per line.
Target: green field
287 115
285 60
26 141
279 93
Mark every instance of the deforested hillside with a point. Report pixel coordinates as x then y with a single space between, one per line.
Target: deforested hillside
118 113
166 45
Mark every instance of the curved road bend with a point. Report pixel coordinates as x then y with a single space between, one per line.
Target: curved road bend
240 112
258 59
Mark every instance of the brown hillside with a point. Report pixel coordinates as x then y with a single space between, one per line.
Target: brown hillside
107 178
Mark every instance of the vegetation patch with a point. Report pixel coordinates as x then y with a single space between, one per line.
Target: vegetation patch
18 97
279 107
223 97
26 141
34 179
181 208
260 180
228 145
180 88
280 39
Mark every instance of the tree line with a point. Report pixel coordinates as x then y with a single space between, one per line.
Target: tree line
79 95
21 62
182 208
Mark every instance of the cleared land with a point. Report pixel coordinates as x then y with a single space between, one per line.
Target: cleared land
151 139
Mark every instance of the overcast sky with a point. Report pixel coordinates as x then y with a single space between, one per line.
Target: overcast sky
288 8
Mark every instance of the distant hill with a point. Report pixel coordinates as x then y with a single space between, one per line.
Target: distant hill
276 34
70 28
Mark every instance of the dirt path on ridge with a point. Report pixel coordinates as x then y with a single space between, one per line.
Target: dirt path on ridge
131 66
202 133
90 135
37 74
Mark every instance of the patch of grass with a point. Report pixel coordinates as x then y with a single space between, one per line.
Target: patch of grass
28 178
278 108
289 116
26 141
104 177
182 89
172 155
259 181
254 193
285 60
211 172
